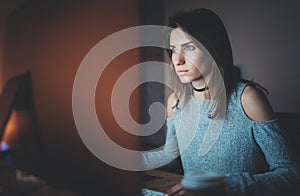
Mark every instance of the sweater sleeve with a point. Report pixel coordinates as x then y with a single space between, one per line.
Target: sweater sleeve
163 156
282 178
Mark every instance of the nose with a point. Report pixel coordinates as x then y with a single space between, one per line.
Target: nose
178 59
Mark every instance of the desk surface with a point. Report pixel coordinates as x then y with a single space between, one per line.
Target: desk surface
162 180
16 182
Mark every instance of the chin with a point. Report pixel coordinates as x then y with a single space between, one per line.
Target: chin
184 80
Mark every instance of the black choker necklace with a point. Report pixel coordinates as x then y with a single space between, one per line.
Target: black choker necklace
200 89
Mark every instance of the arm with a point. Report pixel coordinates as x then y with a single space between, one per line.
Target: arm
158 158
283 176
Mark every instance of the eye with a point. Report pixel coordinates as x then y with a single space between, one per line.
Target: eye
190 48
173 50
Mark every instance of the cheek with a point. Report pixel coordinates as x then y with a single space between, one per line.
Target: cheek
195 73
203 66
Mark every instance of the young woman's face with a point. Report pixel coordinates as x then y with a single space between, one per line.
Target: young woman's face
189 61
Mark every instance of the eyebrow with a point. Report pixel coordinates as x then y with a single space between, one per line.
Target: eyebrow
184 44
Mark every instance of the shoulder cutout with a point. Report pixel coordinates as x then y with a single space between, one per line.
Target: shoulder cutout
256 105
172 101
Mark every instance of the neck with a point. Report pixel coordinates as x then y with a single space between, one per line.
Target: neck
199 86
198 83
201 91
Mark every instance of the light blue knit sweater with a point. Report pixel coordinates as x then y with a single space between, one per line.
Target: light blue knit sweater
252 155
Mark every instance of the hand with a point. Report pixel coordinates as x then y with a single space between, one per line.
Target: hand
176 190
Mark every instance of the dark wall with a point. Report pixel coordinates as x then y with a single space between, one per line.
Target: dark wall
50 39
152 92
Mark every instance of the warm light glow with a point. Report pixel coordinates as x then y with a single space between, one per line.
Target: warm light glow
10 129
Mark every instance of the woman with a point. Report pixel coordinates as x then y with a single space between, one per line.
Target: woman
216 121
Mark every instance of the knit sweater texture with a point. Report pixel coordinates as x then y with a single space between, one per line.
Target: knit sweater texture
253 156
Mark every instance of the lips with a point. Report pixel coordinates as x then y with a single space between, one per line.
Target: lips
182 72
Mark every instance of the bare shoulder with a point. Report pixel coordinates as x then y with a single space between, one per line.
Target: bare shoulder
256 105
171 103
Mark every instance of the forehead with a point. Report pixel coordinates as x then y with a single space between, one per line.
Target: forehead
178 37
